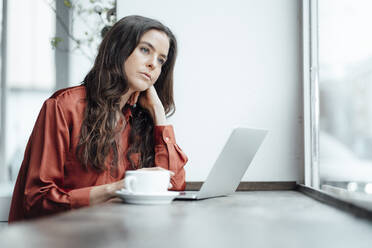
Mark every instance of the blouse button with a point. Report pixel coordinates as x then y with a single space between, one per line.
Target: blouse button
166 139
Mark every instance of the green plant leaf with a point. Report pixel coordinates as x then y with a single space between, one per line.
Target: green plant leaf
67 3
55 41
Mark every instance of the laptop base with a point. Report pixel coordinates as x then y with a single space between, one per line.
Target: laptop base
188 195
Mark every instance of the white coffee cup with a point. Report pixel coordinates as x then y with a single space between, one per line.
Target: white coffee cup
147 181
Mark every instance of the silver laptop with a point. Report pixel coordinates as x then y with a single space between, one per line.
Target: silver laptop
231 164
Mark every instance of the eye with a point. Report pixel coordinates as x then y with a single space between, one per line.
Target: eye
161 61
145 50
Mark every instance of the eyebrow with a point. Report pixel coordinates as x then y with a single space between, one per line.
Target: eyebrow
153 48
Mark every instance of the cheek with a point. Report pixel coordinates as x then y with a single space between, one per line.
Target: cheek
130 63
157 76
127 67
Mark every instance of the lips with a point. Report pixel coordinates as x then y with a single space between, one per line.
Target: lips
146 75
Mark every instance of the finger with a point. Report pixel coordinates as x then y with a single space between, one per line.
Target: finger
114 200
130 101
119 184
136 95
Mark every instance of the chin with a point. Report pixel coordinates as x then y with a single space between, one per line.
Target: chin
139 86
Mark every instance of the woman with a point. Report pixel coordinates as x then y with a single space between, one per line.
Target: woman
86 137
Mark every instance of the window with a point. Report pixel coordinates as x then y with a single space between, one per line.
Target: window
340 94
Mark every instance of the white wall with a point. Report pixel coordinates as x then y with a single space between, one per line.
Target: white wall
238 63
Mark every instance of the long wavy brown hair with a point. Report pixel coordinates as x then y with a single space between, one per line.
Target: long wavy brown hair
106 83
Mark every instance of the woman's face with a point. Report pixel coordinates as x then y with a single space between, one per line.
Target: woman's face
143 66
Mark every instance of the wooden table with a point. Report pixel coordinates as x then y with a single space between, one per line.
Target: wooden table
245 219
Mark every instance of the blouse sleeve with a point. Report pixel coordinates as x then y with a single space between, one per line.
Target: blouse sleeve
169 155
49 143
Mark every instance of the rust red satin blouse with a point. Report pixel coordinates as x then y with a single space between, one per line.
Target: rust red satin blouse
51 179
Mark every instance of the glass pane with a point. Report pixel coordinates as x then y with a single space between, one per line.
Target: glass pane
345 85
31 25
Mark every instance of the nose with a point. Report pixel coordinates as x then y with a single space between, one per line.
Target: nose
151 63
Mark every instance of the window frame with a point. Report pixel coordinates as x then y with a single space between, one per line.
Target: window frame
3 87
310 77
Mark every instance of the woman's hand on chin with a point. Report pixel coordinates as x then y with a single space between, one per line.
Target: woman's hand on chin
150 100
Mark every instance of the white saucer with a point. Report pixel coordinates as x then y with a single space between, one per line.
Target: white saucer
149 199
